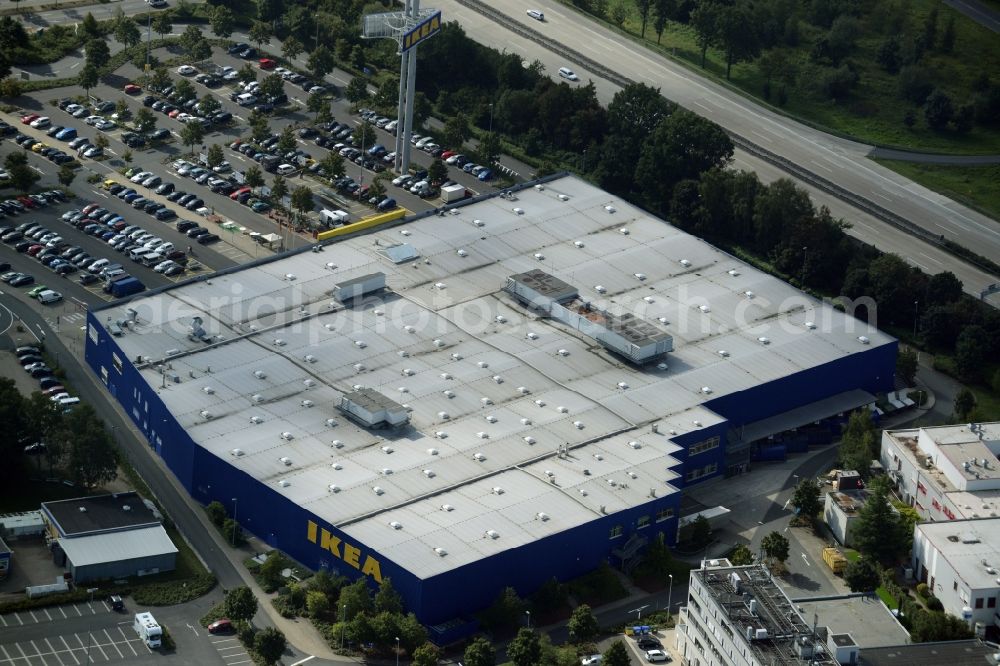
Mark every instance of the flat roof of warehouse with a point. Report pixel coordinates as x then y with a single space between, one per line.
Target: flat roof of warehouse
494 391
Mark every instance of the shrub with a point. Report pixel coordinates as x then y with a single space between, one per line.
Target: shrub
173 592
923 590
246 633
934 604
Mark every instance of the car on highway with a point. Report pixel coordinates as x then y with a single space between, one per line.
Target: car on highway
568 74
536 14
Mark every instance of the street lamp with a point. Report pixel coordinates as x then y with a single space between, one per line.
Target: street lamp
397 650
236 525
343 626
90 634
638 612
916 312
670 595
805 257
491 117
528 613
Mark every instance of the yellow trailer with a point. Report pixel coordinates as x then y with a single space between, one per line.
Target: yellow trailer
835 560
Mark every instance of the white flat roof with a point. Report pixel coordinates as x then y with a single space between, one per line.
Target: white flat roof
117 546
483 377
966 544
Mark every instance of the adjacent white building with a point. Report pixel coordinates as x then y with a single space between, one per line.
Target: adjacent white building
946 472
959 561
738 616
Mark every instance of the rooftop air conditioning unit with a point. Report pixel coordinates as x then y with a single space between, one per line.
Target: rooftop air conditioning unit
378 490
493 534
441 552
447 507
278 342
396 525
287 462
563 197
331 423
863 339
578 243
432 452
491 418
429 473
337 444
600 289
542 516
337 466
307 403
387 449
530 440
209 390
483 364
207 415
284 483
237 452
635 445
309 383
497 490
287 436
333 488
478 456
256 419
685 263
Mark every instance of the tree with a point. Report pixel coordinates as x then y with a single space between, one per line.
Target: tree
260 128
480 652
185 89
161 24
87 78
291 48
525 650
616 655
332 165
806 499
160 78
456 131
644 7
862 575
387 599
272 85
222 21
775 546
972 352
356 90
915 83
232 532
270 644
192 135
906 365
90 27
965 402
888 54
320 62
101 141
22 177
583 626
425 655
619 13
302 200
247 73
201 50
259 33
127 32
705 21
215 156
489 149
216 512
66 175
190 38
209 104
701 531
144 121
936 626
938 110
948 38
240 604
286 140
737 34
317 103
741 555
879 532
437 172
127 156
93 457
662 12
365 134
253 176
97 53
357 598
317 603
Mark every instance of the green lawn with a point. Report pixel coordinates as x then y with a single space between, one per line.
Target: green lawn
975 186
875 113
886 598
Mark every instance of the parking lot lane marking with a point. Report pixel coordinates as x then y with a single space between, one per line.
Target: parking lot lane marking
77 609
234 663
23 654
91 607
224 640
62 611
20 621
32 613
230 647
302 661
4 620
97 644
106 606
47 614
70 650
40 655
55 652
113 644
6 654
128 642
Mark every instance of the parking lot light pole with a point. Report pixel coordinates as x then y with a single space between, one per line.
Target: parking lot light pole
90 633
670 594
343 628
236 525
397 650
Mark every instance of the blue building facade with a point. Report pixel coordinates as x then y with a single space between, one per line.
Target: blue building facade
315 543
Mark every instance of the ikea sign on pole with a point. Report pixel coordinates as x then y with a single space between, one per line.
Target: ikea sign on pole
427 28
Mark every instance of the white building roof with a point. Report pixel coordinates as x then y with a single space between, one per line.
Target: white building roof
117 546
963 457
493 390
971 547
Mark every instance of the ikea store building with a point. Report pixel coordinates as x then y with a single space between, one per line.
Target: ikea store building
513 389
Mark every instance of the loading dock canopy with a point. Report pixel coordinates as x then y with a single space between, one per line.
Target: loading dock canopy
796 418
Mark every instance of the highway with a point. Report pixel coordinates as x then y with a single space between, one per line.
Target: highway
841 161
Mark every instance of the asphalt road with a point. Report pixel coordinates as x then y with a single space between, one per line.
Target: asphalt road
841 161
979 12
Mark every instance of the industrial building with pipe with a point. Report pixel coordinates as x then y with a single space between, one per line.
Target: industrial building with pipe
504 391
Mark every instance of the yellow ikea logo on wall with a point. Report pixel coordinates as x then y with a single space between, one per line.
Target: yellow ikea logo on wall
424 30
347 552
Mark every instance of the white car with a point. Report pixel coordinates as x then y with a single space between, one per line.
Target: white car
231 76
156 3
282 72
222 167
568 74
73 108
163 265
535 14
105 125
315 90
592 660
41 122
93 120
141 176
81 112
655 656
186 70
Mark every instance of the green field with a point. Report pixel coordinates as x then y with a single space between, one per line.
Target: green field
874 114
974 186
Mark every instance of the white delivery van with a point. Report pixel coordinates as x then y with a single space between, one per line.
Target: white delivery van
333 218
48 296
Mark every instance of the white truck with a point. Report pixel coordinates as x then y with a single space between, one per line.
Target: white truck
451 193
149 631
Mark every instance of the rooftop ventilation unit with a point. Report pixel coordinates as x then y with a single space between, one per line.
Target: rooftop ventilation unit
539 256
530 440
525 421
360 344
371 409
542 516
563 352
764 340
863 339
498 379
333 488
635 445
207 415
237 452
385 471
696 422
309 383
441 552
447 507
497 490
337 444
440 285
492 534
278 342
483 435
549 473
387 449
749 294
704 308
483 364
432 452
208 389
578 424
337 466
706 390
331 423
256 419
439 343
287 462
578 243
623 385
685 263
563 197
562 410
462 253
478 223
359 367
307 403
378 490
598 457
403 389
486 401
491 418
444 416
448 393
540 403
648 299
446 375
810 325
640 276
429 473
290 276
523 390
257 397
633 475
405 232
479 457
500 319
600 289
396 525
407 372
610 209
733 272
723 353
284 483
287 436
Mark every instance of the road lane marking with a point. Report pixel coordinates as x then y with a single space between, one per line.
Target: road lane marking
302 661
760 136
805 559
817 164
930 257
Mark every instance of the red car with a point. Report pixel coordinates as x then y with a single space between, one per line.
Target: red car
220 626
174 113
28 202
446 154
132 89
265 63
30 118
58 388
235 195
35 249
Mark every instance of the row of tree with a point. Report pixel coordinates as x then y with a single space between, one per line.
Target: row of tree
75 444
